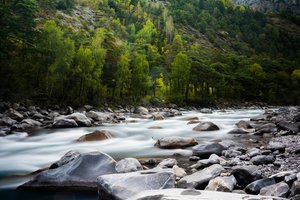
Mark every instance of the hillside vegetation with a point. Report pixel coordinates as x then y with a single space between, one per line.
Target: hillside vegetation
131 51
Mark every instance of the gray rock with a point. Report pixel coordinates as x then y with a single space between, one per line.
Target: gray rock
290 179
295 188
99 116
201 178
128 165
76 172
256 186
124 186
266 128
206 126
206 110
253 152
179 172
238 131
289 126
262 159
174 142
80 119
187 194
243 124
7 121
222 184
274 146
64 123
231 153
205 150
158 117
167 163
245 174
68 157
15 115
31 123
278 190
95 136
213 159
280 175
141 110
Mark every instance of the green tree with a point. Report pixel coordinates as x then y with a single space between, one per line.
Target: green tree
123 75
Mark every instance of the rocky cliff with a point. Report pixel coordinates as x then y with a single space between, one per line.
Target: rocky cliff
292 6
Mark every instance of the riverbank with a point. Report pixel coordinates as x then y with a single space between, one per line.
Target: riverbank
267 145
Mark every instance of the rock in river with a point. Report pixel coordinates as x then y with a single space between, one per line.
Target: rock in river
95 136
79 172
174 142
206 126
205 150
124 186
128 165
64 123
243 124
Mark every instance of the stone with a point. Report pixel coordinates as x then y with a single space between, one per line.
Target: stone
99 116
80 119
68 157
253 152
31 123
243 124
174 142
278 190
213 159
205 150
13 114
266 128
295 189
128 165
200 179
290 179
179 172
7 121
274 146
188 194
288 126
95 136
124 186
64 123
206 110
222 184
158 117
256 186
193 122
238 131
262 159
297 118
281 175
141 110
231 153
167 163
75 172
206 126
245 174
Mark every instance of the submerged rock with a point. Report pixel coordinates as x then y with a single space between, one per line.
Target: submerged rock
95 136
243 124
206 126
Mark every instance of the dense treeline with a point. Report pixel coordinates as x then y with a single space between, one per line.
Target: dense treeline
191 51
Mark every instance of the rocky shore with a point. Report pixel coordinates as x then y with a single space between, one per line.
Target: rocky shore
266 168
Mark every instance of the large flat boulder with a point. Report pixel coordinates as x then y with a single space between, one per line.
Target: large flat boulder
74 172
126 185
174 142
201 178
187 194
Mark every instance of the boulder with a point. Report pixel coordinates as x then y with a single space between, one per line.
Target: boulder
243 124
205 150
206 126
99 116
266 128
295 188
31 123
64 123
187 194
256 186
274 146
245 174
68 157
253 152
278 190
206 110
95 136
7 121
222 184
141 110
281 175
213 159
179 172
158 117
297 118
174 142
193 122
80 119
124 186
167 163
238 131
76 172
262 159
288 126
231 153
15 115
128 165
200 179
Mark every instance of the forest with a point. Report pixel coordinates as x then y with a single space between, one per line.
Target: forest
198 52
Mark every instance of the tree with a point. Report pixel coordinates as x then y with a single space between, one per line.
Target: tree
123 75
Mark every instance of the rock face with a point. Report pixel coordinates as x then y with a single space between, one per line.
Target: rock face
278 190
201 178
124 186
175 142
128 165
187 194
222 184
256 186
206 150
206 126
95 136
76 172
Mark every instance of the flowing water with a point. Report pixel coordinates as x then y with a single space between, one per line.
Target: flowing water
21 154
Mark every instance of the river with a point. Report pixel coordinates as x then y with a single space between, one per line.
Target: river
21 154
